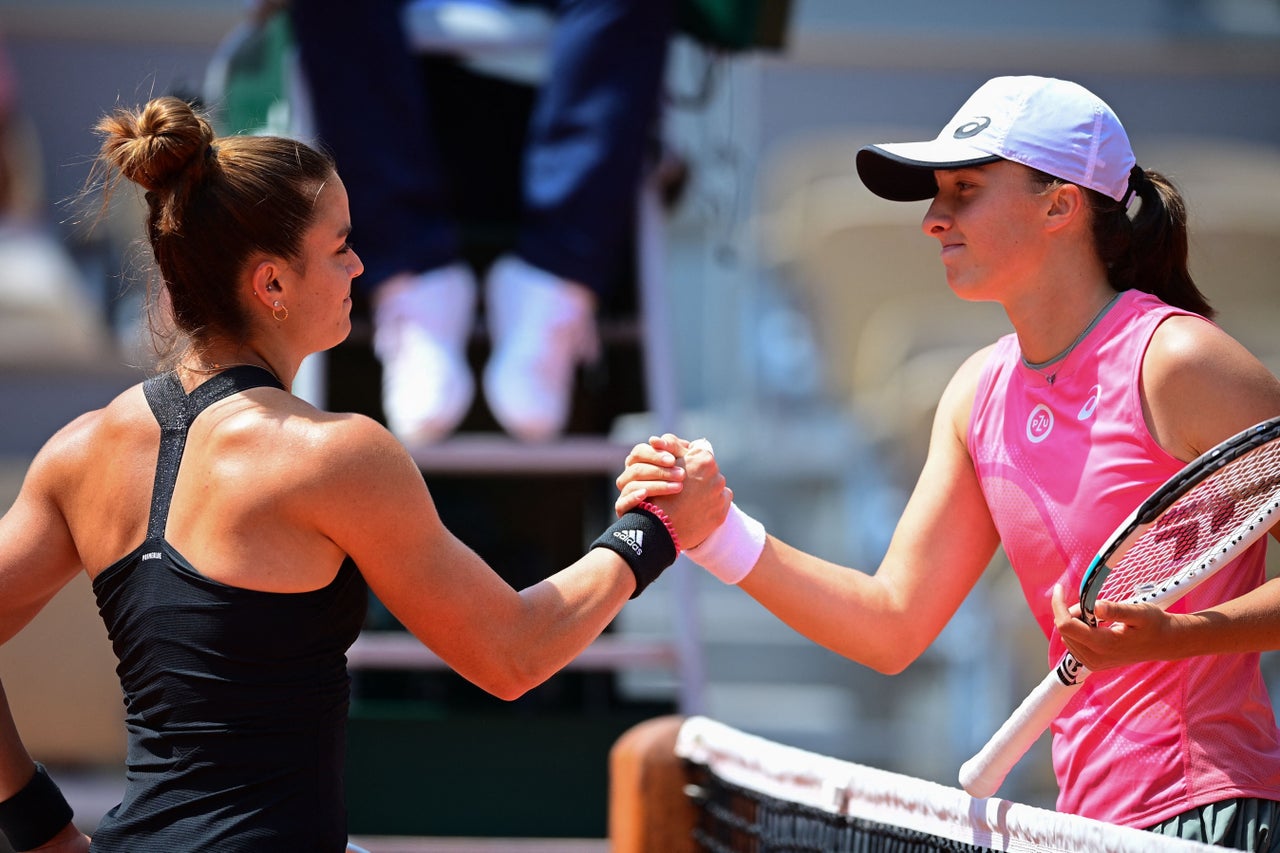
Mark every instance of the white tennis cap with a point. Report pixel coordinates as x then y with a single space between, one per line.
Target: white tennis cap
1056 126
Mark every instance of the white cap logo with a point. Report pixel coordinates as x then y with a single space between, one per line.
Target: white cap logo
972 128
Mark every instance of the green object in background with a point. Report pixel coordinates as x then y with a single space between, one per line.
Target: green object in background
423 772
249 84
253 94
735 24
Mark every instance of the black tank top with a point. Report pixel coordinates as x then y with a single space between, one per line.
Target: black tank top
236 700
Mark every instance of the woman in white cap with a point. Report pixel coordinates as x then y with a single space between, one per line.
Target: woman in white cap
1043 443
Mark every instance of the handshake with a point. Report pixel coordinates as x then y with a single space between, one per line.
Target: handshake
683 480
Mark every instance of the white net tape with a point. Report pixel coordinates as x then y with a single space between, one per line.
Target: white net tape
852 790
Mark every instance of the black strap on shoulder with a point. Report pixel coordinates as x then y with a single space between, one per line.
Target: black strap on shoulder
175 410
233 380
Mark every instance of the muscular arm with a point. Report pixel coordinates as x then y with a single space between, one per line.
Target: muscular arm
939 549
379 511
37 558
37 555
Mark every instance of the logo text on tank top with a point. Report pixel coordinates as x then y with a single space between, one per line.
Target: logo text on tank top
1039 424
1086 411
1040 421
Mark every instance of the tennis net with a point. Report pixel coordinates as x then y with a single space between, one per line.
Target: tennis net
740 793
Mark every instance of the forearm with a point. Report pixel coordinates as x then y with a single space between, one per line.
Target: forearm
1128 634
563 614
33 812
1250 623
16 767
848 611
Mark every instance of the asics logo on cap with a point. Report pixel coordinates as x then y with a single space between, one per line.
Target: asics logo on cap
633 538
972 128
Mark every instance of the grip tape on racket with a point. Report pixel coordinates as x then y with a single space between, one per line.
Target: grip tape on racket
982 775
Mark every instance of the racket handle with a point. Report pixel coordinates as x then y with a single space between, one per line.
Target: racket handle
982 775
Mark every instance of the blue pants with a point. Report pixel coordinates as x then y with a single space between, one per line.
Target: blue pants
588 134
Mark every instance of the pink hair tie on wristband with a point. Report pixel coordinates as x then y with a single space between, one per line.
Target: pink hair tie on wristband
657 512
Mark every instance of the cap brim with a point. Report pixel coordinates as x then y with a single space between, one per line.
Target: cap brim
903 171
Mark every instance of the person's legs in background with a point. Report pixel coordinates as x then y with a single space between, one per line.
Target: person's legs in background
371 113
592 125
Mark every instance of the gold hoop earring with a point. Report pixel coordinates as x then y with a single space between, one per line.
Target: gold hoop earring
276 308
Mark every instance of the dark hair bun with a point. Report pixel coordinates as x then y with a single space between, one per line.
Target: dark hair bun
155 146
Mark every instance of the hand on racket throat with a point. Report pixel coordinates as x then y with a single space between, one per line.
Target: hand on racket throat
1125 634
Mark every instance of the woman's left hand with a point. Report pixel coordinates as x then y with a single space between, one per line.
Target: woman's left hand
1126 633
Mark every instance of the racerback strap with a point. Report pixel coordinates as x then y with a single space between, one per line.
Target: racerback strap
175 410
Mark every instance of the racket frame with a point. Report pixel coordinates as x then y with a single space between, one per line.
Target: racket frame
1192 474
982 775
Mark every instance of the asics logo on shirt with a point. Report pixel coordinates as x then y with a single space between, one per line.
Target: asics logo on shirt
633 538
1086 411
1040 421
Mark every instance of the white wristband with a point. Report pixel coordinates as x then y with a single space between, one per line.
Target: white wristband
732 549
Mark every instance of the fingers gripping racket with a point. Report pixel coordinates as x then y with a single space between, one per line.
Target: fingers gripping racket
1190 527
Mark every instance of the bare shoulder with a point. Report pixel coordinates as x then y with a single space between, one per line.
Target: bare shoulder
1182 340
345 449
125 419
1200 386
956 404
969 371
353 481
349 439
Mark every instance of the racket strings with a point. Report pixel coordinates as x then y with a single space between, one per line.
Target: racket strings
1201 527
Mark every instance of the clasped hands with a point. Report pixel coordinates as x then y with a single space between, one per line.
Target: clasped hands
681 478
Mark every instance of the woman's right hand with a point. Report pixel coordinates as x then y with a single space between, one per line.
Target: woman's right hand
651 471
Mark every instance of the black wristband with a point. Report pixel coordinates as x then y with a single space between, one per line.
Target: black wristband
643 540
35 814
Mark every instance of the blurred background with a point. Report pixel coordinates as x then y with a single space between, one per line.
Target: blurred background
805 329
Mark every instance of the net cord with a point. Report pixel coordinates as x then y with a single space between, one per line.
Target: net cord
850 790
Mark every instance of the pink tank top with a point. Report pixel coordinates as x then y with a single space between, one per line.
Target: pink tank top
1062 463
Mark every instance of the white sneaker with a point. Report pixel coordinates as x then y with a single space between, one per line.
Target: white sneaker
492 37
542 328
454 25
420 331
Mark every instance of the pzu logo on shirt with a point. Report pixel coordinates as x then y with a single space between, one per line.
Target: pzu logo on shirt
1040 421
1039 424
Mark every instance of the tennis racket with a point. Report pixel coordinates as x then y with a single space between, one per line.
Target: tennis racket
1193 525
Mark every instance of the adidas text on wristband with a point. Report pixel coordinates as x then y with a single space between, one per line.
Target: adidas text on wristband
35 814
643 540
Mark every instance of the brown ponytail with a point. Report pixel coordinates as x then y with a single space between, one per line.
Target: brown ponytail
213 206
1149 251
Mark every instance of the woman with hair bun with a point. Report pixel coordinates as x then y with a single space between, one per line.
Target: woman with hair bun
232 531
